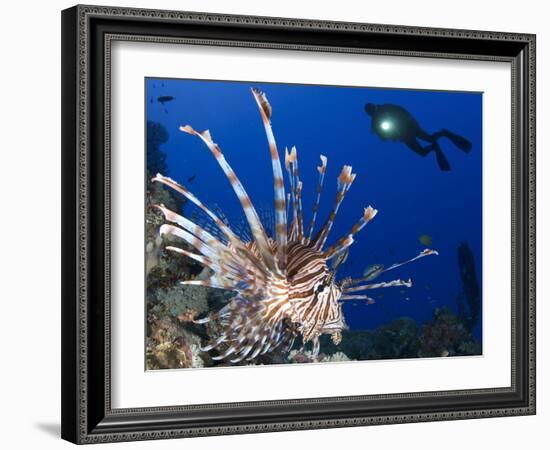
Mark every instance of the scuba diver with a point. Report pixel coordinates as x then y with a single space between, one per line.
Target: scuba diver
396 123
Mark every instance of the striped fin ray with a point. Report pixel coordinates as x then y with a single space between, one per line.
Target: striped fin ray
289 158
241 248
195 229
232 272
369 300
187 194
254 222
248 332
422 254
291 164
341 246
300 225
235 277
368 214
213 282
194 241
278 182
364 287
322 170
344 182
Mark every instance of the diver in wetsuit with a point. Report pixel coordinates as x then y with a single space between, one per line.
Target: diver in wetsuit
396 123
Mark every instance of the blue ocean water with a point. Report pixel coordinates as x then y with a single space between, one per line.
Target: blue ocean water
412 195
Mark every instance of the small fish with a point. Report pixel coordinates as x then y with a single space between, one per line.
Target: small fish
445 353
402 291
373 271
164 98
425 239
191 178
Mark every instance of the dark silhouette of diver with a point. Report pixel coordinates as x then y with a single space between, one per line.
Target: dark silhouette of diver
396 123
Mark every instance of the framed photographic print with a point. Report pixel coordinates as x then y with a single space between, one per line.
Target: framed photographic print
282 224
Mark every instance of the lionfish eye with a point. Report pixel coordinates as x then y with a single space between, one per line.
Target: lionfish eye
320 288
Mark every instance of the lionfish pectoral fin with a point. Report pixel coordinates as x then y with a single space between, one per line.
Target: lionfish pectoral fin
393 283
358 297
250 328
426 252
315 349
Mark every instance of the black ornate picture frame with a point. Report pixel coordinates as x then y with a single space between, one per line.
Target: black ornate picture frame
87 35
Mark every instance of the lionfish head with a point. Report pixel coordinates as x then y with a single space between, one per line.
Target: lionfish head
314 293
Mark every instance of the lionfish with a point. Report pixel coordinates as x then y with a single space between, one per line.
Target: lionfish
284 285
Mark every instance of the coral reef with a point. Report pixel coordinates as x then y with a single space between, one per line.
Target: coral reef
447 335
397 339
297 356
171 346
156 158
172 340
178 300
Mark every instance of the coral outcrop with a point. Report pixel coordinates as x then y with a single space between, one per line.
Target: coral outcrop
447 335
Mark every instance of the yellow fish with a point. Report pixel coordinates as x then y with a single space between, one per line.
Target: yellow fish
426 240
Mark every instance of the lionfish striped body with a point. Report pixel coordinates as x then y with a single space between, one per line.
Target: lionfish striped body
284 287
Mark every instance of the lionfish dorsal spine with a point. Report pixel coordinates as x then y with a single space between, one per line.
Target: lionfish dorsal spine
321 169
278 181
296 232
345 180
345 241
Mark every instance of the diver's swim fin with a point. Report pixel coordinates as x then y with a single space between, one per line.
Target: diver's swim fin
461 142
441 159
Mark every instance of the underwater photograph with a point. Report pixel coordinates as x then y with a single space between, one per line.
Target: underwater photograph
292 223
